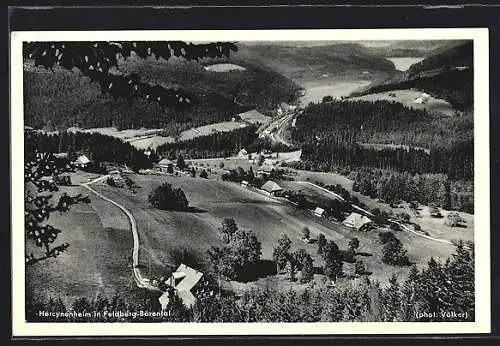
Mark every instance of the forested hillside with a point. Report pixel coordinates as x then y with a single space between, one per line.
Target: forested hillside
300 63
418 49
448 74
66 98
380 122
98 148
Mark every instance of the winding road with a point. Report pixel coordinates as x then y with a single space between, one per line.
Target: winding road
139 279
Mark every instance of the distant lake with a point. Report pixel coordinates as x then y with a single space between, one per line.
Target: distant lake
402 64
314 92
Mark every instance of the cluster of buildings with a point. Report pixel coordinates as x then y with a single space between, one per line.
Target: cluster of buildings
355 220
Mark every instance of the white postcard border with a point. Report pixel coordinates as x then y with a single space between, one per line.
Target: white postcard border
481 187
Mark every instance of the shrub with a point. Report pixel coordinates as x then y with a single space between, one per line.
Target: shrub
306 234
454 220
394 253
167 198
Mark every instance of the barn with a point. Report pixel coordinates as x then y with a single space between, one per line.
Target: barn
271 188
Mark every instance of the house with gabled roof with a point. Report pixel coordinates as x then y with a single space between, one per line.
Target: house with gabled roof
184 281
82 161
356 221
271 188
165 164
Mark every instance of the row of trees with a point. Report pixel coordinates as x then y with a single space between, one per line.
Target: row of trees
98 148
219 144
440 287
457 161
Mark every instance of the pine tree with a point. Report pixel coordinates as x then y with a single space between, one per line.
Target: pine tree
307 271
409 296
321 243
281 252
180 162
333 261
392 300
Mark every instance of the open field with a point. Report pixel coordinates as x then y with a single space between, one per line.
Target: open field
316 91
162 231
234 162
98 260
253 116
125 135
402 64
149 138
407 97
224 68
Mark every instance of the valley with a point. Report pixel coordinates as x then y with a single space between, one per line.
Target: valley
292 143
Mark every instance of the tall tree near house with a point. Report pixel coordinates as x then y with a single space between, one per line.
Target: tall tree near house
391 300
291 269
181 164
321 243
227 229
281 252
354 244
40 173
306 233
298 257
307 271
333 261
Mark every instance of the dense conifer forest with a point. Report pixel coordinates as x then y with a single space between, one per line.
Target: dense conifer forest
440 287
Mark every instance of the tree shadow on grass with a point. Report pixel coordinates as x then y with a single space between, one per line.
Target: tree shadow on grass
318 270
254 271
194 210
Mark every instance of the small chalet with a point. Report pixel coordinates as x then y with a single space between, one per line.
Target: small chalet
184 281
319 212
356 221
165 164
244 183
271 188
82 161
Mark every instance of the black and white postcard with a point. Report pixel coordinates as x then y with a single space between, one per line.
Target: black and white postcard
250 182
